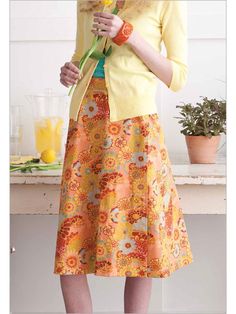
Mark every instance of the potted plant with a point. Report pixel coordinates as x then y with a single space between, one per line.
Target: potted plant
202 126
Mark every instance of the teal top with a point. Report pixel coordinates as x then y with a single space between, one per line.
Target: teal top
99 70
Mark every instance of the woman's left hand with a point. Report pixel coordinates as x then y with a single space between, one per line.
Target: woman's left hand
107 24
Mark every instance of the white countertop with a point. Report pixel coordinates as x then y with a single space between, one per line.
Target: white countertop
204 174
38 192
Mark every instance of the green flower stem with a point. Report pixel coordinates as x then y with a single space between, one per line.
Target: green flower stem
15 169
29 167
88 53
85 57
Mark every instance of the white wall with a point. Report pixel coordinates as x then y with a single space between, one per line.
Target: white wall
42 40
207 61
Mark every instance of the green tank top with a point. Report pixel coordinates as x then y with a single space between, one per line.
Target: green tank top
99 70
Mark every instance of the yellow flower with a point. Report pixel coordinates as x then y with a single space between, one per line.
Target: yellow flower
106 2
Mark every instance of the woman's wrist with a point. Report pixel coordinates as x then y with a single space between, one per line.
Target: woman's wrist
133 39
123 34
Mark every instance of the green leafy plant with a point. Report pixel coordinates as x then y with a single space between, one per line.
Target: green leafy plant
207 118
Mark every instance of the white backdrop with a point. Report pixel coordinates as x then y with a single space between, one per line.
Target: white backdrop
42 39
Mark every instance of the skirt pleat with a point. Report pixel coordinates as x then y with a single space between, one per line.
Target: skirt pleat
119 212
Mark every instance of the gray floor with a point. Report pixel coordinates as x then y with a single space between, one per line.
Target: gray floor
200 288
117 313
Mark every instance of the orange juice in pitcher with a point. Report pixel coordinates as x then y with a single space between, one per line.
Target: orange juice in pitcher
48 134
48 112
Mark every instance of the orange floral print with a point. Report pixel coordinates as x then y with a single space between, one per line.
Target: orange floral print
119 212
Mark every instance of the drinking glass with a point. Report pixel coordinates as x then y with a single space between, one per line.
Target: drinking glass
16 132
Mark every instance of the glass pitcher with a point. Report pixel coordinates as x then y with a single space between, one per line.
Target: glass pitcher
48 111
16 132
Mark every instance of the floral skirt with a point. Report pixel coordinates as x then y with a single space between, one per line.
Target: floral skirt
119 212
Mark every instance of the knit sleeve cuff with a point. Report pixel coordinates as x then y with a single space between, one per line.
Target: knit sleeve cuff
179 76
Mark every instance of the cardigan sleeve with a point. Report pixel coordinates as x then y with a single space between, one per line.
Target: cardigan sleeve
174 36
78 52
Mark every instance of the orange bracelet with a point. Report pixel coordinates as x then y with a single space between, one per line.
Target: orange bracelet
123 34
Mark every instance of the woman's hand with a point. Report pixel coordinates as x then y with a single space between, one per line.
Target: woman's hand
107 24
70 74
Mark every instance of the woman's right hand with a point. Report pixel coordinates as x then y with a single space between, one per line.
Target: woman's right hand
70 74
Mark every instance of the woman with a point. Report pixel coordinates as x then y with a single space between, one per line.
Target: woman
119 208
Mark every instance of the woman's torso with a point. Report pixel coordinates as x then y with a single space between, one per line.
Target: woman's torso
131 84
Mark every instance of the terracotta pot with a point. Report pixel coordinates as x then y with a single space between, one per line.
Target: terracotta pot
201 149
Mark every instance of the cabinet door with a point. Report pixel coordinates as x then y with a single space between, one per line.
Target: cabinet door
33 286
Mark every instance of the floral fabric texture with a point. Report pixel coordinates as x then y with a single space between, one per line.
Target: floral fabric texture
119 211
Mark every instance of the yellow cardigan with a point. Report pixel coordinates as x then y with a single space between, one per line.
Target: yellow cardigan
130 83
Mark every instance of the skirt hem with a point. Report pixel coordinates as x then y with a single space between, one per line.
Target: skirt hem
96 273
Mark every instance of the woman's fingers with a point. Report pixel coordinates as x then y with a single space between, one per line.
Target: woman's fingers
103 20
100 33
72 67
70 74
64 83
105 15
67 77
67 80
75 69
107 25
102 26
72 70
